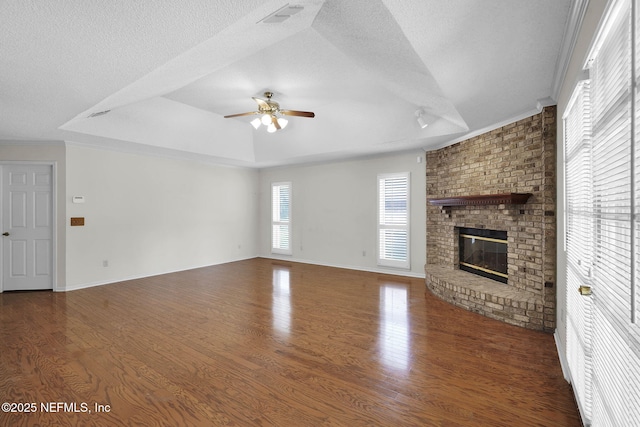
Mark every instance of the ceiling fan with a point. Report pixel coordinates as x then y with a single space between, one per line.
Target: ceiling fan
271 112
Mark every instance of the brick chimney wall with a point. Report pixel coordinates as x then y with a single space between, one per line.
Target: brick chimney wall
516 158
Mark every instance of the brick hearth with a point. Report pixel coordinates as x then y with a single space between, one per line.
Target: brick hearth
517 158
487 297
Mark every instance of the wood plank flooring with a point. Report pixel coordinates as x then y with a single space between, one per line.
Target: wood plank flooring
266 343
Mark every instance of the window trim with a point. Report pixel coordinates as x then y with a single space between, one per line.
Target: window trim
274 222
384 262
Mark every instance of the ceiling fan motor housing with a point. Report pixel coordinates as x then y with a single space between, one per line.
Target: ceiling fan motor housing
271 108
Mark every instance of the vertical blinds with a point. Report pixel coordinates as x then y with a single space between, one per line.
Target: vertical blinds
281 218
603 350
393 220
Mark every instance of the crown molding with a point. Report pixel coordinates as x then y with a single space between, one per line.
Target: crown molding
32 143
569 39
541 104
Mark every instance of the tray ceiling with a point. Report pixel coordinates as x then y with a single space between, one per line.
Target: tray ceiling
167 72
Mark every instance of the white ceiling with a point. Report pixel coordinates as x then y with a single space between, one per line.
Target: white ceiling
170 70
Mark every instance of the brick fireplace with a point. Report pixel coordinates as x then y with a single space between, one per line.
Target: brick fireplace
480 183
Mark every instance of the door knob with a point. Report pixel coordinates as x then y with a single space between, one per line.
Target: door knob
6 233
585 290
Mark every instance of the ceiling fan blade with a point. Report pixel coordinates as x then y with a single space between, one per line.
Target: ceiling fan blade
262 104
297 113
251 113
275 122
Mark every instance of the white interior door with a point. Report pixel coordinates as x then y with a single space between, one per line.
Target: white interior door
27 227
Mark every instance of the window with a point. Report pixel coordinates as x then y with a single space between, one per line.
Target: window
393 220
579 241
281 218
601 149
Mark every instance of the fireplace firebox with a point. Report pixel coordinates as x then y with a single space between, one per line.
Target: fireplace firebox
484 252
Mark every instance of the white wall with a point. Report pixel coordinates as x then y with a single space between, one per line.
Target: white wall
334 212
149 215
592 18
50 152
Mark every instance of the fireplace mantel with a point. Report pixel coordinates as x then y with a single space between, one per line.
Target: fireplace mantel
484 199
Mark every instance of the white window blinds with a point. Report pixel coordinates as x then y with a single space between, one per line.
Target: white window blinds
603 349
611 79
579 241
393 220
636 170
281 218
634 357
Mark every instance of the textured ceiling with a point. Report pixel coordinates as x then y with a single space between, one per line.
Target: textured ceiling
169 71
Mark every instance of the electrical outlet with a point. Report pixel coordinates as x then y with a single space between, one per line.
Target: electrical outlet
105 263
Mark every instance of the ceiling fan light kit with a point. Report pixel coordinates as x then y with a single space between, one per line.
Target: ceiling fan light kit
282 122
270 113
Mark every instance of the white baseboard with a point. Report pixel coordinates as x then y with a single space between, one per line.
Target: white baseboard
391 271
124 279
380 270
562 356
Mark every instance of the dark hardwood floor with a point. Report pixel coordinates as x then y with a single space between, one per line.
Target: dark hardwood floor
265 343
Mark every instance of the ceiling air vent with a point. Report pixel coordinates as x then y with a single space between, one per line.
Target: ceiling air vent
281 14
99 113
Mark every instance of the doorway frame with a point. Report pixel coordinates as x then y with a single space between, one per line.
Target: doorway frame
54 216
